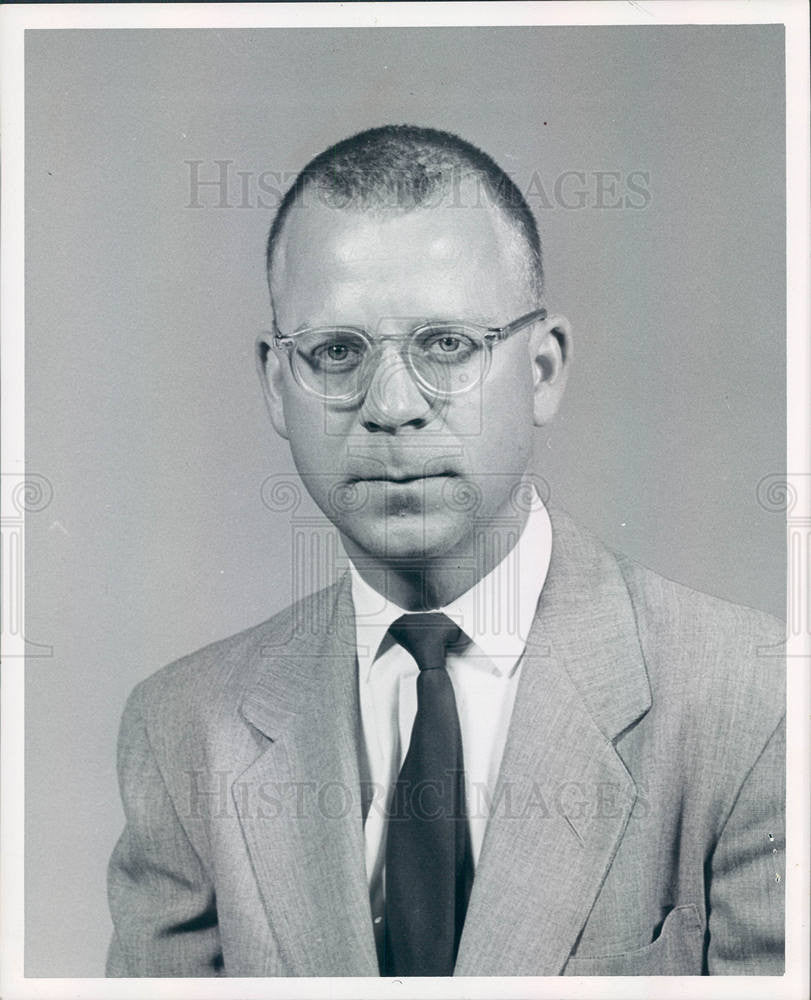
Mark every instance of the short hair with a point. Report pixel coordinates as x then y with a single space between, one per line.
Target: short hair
403 168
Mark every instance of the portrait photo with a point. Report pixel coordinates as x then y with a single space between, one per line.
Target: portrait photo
397 572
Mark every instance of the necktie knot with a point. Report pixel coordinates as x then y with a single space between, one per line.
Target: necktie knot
426 636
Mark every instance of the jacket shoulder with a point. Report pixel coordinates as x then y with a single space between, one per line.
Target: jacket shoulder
211 680
725 659
662 604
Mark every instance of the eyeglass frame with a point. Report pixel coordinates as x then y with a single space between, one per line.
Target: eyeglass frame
492 335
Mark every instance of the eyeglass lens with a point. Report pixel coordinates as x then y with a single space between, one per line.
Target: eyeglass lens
445 358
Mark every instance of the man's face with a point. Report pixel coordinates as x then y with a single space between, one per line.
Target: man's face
401 474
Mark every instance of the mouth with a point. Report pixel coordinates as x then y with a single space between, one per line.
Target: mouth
402 478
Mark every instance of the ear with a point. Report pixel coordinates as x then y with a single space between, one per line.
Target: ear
551 351
271 375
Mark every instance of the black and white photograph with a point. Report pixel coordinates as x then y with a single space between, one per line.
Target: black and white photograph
406 505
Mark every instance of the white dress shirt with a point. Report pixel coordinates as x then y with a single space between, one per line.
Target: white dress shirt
495 616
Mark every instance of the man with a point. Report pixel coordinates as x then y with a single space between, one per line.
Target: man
492 747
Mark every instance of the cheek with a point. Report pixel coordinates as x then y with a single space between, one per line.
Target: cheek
310 444
316 432
499 454
507 416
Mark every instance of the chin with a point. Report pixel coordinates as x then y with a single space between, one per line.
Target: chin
406 539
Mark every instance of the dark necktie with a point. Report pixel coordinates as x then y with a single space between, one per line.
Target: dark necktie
429 865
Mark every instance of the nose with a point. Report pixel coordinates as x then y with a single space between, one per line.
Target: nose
393 399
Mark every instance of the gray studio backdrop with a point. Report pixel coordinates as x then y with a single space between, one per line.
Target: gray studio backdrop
654 159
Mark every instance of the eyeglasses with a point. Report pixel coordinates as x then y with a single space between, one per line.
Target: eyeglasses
336 363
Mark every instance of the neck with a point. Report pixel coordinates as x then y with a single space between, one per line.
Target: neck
424 584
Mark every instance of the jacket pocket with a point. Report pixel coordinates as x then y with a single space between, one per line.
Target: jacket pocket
677 951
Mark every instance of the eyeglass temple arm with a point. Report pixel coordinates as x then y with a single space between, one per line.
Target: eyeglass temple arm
281 339
503 332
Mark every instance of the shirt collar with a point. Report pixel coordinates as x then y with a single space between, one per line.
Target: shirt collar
496 613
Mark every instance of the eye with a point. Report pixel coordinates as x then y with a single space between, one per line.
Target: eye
448 346
336 354
449 343
333 353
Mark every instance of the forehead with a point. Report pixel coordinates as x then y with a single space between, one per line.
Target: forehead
462 260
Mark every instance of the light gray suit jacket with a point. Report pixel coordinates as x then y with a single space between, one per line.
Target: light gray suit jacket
637 829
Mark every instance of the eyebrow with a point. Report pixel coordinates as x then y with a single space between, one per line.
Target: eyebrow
476 319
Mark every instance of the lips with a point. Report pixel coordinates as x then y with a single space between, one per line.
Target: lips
404 479
374 470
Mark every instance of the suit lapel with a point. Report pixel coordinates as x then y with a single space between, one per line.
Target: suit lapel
564 795
302 819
